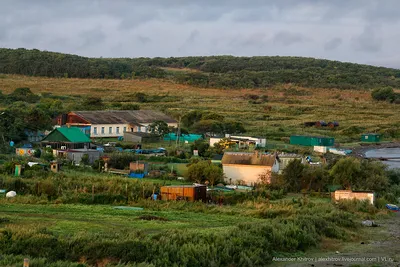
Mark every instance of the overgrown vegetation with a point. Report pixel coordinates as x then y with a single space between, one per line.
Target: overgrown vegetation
209 234
214 71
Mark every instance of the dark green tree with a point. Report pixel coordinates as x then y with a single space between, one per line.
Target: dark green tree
346 172
293 174
159 128
204 170
201 145
384 94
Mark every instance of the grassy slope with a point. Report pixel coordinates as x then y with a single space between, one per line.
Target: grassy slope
289 109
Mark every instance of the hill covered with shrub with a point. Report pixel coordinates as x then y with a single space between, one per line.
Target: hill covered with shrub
213 71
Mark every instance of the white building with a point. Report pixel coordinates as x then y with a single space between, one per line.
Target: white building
113 123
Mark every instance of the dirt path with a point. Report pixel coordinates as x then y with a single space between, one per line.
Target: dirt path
381 247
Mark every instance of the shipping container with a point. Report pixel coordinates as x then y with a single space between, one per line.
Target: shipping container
184 192
371 138
304 140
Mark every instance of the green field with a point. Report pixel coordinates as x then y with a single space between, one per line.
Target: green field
95 234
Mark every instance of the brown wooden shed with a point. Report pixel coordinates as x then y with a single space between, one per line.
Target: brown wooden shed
184 192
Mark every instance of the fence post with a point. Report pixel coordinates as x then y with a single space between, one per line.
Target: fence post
26 262
92 192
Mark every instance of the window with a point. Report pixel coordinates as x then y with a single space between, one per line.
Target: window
124 129
95 130
139 129
102 130
117 130
110 130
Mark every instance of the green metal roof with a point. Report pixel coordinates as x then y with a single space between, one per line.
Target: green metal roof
64 134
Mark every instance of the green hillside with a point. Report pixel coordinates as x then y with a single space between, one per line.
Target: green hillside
213 71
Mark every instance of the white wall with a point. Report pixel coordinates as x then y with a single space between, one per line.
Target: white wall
143 128
249 174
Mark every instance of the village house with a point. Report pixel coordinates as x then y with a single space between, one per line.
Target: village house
70 143
248 168
113 123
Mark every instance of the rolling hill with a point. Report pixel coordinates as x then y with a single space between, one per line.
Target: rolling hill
209 72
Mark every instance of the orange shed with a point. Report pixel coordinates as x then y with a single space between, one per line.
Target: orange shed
184 192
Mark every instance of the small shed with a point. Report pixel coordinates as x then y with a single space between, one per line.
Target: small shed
358 195
371 138
304 140
184 192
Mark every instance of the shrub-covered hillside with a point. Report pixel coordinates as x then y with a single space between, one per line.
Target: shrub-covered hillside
214 71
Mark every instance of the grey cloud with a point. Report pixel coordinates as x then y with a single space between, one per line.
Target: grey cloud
312 28
368 41
192 37
257 39
92 37
333 44
144 39
287 38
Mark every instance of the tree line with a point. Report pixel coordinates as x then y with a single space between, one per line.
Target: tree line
213 71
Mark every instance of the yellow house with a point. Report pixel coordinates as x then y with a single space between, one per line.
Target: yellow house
248 168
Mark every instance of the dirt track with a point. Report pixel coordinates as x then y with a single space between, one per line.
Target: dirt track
381 247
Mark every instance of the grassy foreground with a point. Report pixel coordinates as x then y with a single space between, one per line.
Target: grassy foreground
172 233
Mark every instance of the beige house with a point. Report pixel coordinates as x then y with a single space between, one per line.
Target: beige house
248 168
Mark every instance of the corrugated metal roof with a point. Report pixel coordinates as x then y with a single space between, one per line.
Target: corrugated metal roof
248 159
124 116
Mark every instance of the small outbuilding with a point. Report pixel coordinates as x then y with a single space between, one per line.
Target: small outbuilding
350 195
371 138
184 192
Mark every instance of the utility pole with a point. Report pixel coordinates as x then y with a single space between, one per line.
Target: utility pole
178 134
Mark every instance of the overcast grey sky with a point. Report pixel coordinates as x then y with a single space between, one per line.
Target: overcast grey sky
362 31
